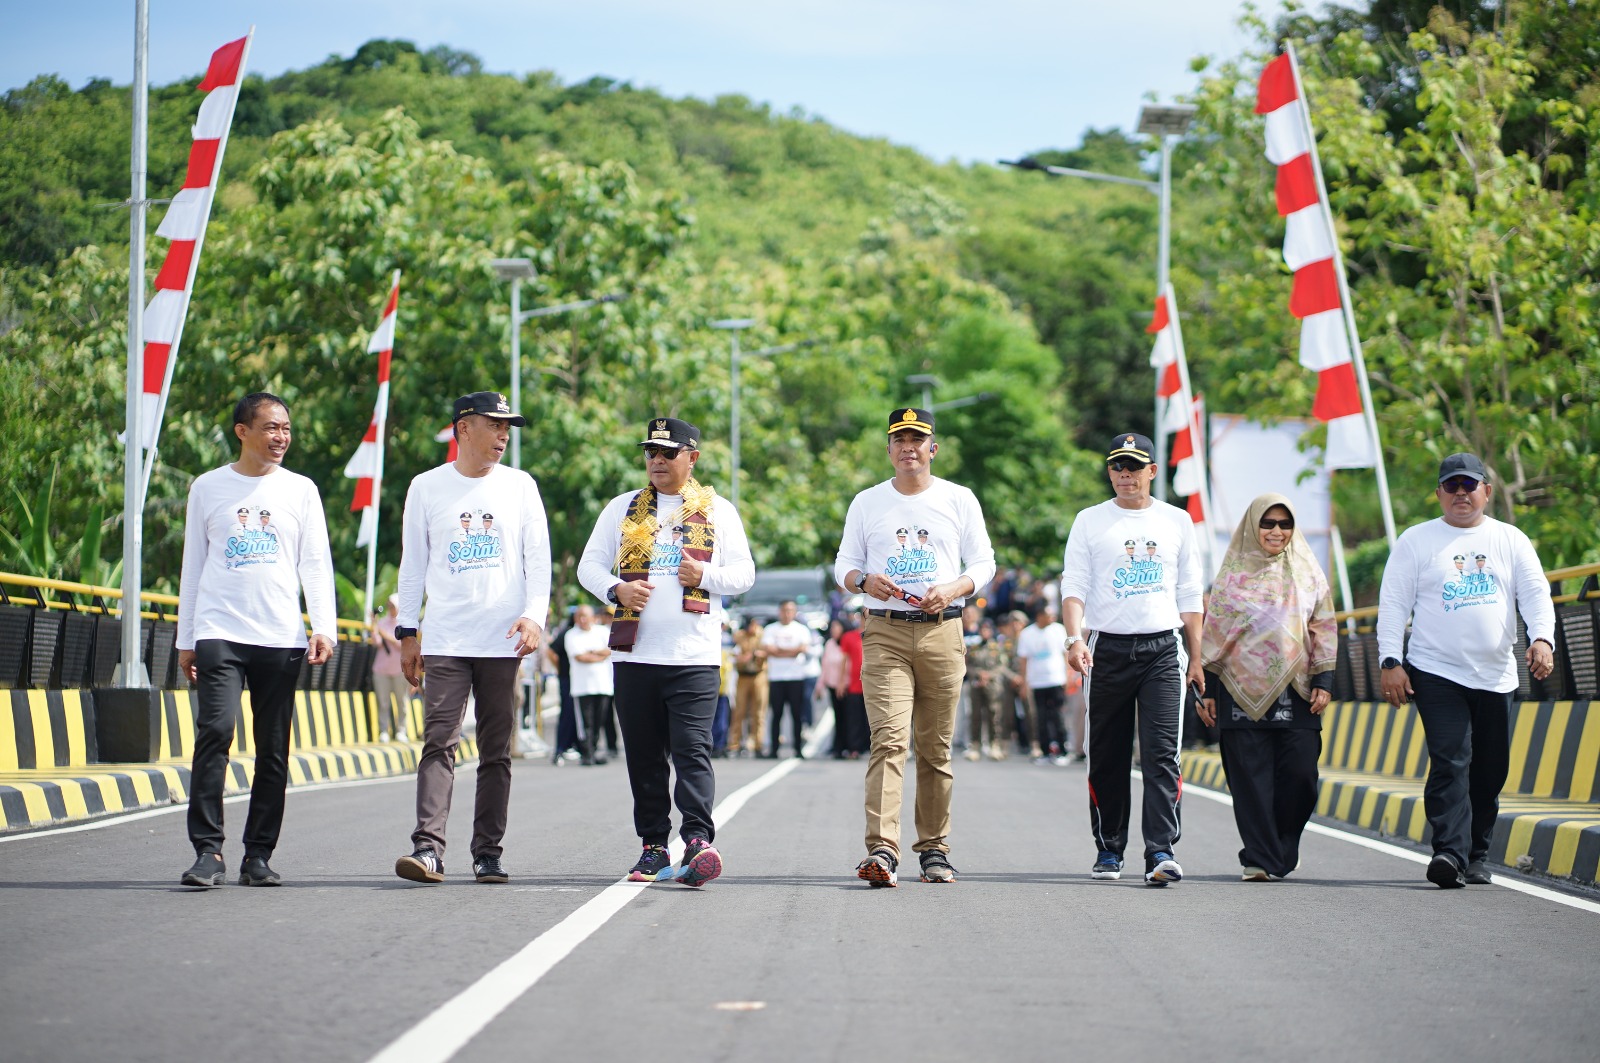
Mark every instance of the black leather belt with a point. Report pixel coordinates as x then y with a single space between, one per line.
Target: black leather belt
917 616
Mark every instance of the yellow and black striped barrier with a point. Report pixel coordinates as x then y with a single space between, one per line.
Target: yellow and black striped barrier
1375 761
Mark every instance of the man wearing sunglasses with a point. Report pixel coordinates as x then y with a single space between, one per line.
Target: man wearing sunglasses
1460 663
666 640
1135 606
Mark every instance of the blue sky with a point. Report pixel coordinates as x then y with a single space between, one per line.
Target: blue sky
973 80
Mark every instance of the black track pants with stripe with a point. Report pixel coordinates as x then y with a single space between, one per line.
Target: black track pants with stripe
1136 685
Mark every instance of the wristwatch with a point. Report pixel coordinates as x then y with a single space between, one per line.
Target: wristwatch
1073 638
405 632
1388 663
611 594
861 582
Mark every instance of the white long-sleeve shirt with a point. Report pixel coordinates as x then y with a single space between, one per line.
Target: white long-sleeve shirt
1461 589
478 547
250 543
916 541
667 634
1134 570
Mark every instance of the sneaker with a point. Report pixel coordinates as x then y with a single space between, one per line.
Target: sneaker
936 867
489 869
1254 874
879 869
1477 873
701 863
652 862
255 872
208 870
1444 872
973 754
1163 871
423 865
1107 865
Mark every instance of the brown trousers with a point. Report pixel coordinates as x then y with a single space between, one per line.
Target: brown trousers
446 682
749 707
911 675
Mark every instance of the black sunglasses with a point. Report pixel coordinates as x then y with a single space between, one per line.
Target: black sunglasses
1287 524
670 453
1127 465
1459 485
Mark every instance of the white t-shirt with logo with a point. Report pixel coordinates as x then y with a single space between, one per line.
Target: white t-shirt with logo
479 547
1045 650
1134 570
1461 589
588 677
249 544
790 636
667 634
917 540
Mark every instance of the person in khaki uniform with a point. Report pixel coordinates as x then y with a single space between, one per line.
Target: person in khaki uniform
750 690
914 655
990 672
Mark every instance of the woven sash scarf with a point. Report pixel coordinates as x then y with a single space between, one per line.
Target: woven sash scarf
639 527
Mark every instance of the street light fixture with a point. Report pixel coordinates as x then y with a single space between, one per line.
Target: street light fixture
969 400
927 382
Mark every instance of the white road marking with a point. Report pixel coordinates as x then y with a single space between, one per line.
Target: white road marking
448 1029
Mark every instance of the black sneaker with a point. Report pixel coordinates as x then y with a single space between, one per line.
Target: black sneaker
654 860
489 869
423 865
208 870
255 872
1162 870
936 867
1477 873
701 863
879 869
1444 872
1106 865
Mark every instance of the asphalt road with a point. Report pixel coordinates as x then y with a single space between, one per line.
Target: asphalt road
786 957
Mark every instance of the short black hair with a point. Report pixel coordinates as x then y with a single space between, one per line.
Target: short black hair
788 601
244 411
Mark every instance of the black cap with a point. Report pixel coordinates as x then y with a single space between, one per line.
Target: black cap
487 404
1132 445
671 432
912 418
1463 465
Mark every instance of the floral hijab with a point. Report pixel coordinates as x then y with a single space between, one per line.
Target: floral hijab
1269 621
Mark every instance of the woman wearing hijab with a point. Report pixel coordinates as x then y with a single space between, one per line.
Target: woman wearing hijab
1268 647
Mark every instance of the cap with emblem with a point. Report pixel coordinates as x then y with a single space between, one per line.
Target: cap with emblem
912 418
1132 445
487 404
1463 465
670 432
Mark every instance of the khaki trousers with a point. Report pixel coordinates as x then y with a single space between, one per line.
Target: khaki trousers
911 675
749 707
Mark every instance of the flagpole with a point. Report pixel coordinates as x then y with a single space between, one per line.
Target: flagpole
1346 305
131 672
377 476
1187 391
194 265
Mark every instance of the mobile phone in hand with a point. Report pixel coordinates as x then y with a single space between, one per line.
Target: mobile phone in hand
1194 688
910 599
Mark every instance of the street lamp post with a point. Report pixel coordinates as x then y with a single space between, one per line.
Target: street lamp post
927 382
516 270
733 326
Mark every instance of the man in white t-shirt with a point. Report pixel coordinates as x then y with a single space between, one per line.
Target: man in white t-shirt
914 656
1460 580
666 640
590 679
475 542
1131 573
788 643
1042 663
239 626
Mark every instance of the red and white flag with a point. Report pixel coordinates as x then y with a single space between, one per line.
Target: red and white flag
185 225
366 467
1179 413
1326 330
447 434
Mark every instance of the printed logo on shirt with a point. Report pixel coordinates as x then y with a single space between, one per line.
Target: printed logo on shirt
1141 571
477 545
668 552
912 558
1473 583
253 541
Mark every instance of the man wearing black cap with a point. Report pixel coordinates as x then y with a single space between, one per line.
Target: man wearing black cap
666 640
1460 664
915 656
1135 606
488 592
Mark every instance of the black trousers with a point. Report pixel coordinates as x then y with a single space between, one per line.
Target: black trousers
666 712
594 710
1047 705
790 692
1469 752
1136 684
1272 774
224 671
